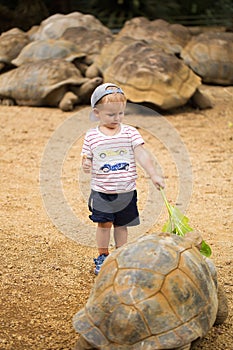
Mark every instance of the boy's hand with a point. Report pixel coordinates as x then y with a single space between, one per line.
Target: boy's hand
158 181
86 164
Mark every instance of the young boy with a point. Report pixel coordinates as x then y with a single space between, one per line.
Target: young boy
110 152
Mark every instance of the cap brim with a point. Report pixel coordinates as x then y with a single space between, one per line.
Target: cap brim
93 117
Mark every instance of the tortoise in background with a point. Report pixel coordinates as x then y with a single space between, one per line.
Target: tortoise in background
171 37
54 26
88 40
48 49
148 74
53 49
210 55
158 292
11 43
52 82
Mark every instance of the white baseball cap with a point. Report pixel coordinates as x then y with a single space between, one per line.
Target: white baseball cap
101 91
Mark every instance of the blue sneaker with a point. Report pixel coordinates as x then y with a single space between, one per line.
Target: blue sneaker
99 262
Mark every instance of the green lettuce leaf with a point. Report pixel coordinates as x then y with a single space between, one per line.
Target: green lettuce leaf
178 224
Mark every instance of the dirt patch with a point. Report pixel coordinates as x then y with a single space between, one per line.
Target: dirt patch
46 273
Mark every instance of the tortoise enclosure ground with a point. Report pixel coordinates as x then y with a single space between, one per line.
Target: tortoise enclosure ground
46 276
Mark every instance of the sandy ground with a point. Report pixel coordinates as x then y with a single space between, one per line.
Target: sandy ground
47 240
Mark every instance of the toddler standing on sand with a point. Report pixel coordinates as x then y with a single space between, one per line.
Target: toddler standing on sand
110 152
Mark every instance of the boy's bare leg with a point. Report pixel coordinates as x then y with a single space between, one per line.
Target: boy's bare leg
103 237
120 235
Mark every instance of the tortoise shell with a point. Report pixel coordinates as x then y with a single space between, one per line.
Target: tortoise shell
171 37
155 293
49 49
11 43
210 55
54 26
149 74
32 83
88 40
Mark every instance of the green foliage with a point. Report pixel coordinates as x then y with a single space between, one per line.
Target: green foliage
178 224
115 13
201 12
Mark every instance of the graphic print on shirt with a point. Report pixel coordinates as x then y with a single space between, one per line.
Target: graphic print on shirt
113 160
118 166
106 153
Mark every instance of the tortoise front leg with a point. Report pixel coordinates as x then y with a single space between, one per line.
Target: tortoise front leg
68 101
7 101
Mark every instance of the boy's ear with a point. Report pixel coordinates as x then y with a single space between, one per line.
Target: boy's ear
96 112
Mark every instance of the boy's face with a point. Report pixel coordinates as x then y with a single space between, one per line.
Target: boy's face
110 114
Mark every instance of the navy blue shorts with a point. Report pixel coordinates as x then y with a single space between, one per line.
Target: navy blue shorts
120 209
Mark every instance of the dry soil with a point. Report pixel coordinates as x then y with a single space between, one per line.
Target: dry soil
47 240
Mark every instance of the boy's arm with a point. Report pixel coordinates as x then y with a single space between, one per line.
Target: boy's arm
144 159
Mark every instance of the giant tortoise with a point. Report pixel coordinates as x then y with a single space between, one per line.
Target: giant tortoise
158 292
54 26
148 74
51 82
210 55
47 49
11 43
88 40
171 37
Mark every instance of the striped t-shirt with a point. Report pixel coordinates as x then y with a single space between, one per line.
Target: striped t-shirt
113 161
